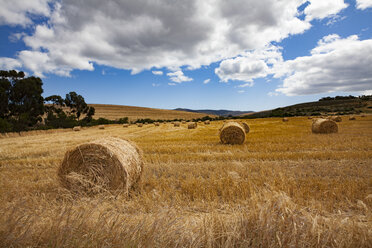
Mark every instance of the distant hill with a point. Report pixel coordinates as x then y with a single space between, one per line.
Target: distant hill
322 107
114 112
221 112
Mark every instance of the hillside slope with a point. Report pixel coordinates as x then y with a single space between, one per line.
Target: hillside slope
113 112
221 112
339 107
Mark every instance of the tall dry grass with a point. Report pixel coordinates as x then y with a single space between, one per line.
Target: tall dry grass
284 187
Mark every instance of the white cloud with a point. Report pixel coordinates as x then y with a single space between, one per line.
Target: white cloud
251 65
178 77
172 84
143 34
319 9
159 73
241 91
21 12
363 4
250 84
9 64
336 64
206 81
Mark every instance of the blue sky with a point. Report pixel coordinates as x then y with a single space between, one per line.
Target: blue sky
238 54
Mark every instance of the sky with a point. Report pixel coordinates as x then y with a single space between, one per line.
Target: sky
213 54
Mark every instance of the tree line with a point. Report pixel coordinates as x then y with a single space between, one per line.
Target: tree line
22 106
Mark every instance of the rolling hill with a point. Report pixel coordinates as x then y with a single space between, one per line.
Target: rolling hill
322 107
114 112
221 112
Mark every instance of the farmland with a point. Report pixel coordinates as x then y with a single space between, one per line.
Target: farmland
113 112
284 187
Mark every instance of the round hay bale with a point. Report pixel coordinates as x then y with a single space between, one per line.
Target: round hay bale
156 124
207 122
285 119
232 133
101 127
139 124
352 118
191 125
245 126
362 116
77 128
176 124
183 122
104 165
199 121
125 125
324 126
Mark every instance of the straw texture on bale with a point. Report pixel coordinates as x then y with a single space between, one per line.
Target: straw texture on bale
125 125
176 124
285 119
232 133
191 125
324 126
245 127
104 165
352 118
101 127
139 124
77 128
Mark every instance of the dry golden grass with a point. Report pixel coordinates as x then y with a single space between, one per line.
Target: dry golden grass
113 112
284 187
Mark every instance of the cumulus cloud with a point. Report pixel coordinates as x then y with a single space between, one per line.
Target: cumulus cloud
363 4
9 63
206 81
336 64
178 77
159 73
21 12
140 35
144 34
319 9
251 65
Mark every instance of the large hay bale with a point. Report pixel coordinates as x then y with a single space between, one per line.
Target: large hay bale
139 124
105 165
324 126
126 125
183 122
101 127
245 127
77 128
207 122
232 133
176 124
352 118
285 119
156 124
191 125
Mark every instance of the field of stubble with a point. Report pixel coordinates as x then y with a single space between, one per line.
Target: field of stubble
285 187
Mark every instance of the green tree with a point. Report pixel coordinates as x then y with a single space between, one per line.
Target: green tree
76 103
26 105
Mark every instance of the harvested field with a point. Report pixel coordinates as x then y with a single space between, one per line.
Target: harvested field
283 187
